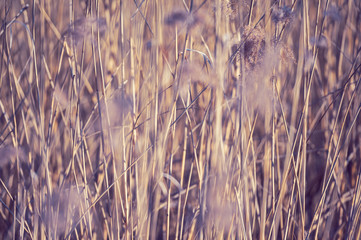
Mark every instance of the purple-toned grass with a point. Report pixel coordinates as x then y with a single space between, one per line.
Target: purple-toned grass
160 119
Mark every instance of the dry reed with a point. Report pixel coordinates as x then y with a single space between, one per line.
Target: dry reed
160 119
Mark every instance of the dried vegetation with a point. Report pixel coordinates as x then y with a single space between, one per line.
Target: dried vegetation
218 119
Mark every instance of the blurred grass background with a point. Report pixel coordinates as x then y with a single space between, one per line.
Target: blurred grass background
194 119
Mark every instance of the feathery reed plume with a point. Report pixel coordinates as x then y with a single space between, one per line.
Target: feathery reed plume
254 46
282 14
81 28
320 42
8 153
334 13
191 20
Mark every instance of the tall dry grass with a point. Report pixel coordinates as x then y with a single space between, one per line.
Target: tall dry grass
180 119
